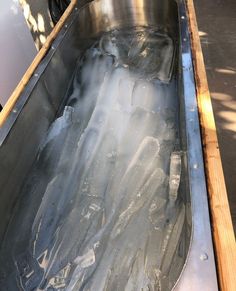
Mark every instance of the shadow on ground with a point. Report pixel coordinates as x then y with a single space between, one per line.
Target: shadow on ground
217 22
38 18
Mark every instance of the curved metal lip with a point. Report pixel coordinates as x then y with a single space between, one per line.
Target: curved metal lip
108 23
199 270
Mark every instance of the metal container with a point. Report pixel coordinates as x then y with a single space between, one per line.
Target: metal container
43 100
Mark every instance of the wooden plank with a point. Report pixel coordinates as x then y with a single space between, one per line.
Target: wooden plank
25 79
223 233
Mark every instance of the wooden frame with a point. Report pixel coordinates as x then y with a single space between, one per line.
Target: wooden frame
25 79
222 227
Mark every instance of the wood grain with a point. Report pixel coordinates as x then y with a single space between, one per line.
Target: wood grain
25 79
222 227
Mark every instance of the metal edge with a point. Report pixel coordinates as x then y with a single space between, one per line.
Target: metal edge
33 80
199 272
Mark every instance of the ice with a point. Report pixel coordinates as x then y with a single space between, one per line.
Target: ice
101 209
143 50
136 203
62 123
175 173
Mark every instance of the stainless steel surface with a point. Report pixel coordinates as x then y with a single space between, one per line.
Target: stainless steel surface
199 272
105 15
45 94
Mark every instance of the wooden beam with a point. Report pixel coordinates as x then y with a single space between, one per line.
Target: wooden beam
25 79
222 228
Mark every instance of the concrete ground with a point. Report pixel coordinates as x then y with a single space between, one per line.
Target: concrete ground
217 29
38 18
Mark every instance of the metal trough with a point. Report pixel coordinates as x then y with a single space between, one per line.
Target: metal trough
102 179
